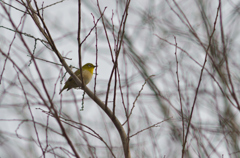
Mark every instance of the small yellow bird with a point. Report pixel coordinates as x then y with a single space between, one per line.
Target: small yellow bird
86 74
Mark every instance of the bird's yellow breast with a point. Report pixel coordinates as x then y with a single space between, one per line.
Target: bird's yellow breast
87 76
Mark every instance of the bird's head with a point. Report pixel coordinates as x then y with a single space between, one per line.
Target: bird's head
89 66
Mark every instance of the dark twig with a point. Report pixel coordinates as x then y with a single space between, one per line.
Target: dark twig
154 125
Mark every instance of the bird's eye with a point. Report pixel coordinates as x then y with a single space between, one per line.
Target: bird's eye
89 65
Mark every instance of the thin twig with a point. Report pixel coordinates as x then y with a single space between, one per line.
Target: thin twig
154 125
134 102
179 91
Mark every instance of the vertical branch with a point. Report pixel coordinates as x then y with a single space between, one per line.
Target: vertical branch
199 81
47 126
118 46
115 90
79 41
120 85
96 63
179 93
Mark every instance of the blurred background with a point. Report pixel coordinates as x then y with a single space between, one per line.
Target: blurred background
177 78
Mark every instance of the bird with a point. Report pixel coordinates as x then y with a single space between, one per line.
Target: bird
87 72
